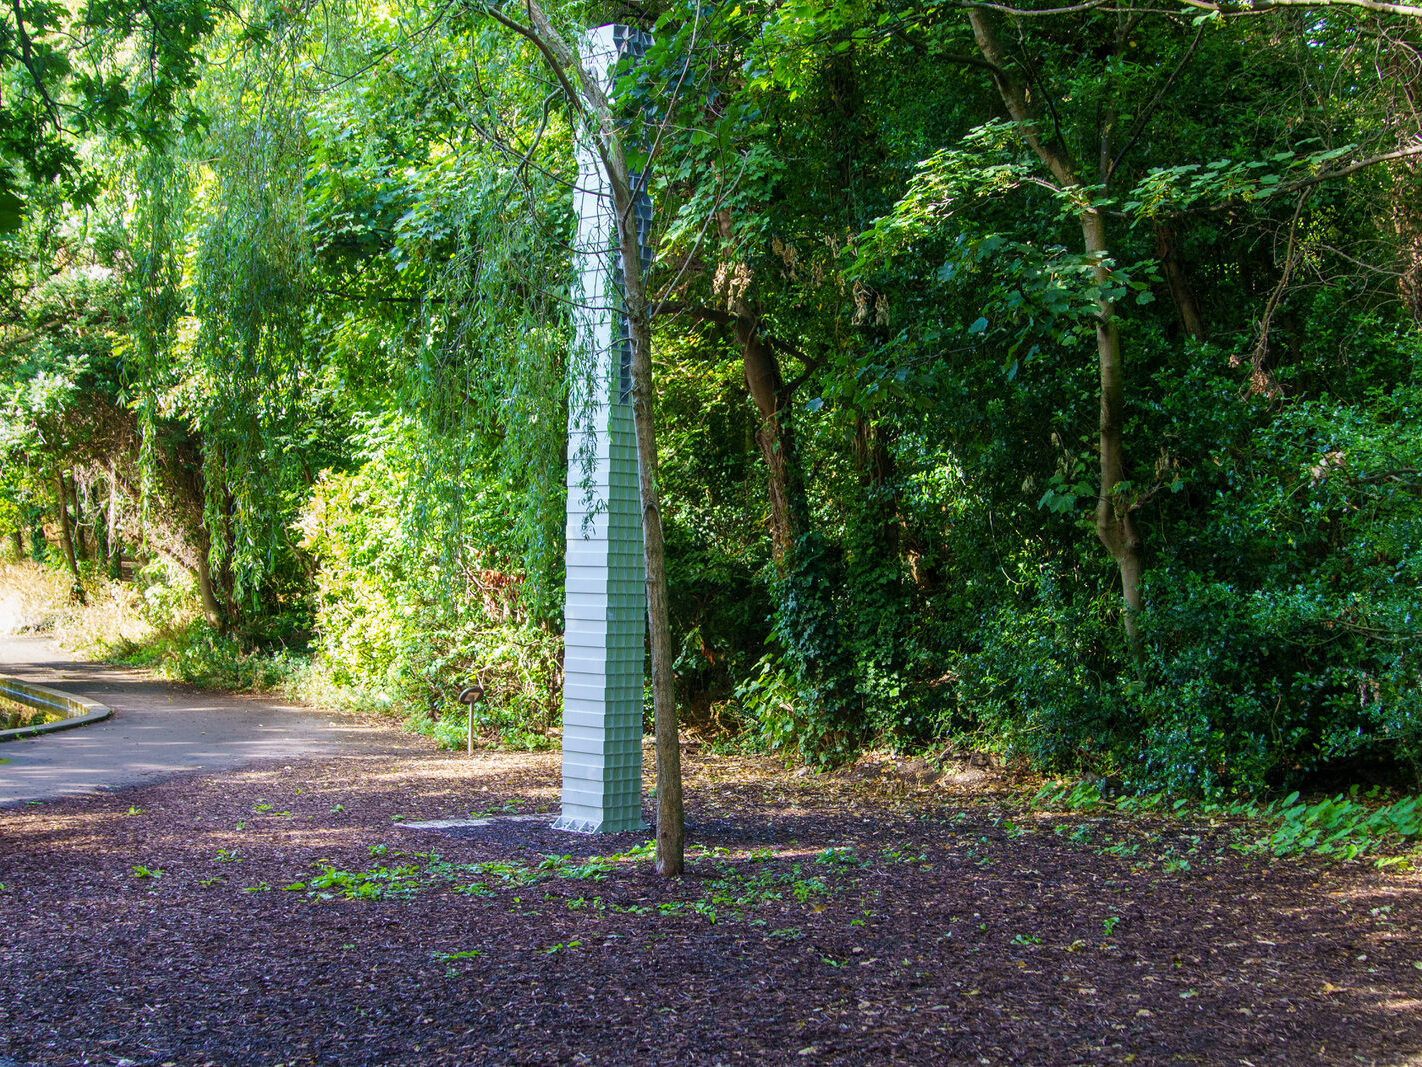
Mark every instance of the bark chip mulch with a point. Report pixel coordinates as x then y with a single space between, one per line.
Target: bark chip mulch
282 914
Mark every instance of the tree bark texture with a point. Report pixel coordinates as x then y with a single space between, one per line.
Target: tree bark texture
210 607
81 538
775 435
1177 281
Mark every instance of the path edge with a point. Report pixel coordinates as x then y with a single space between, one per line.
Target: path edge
80 711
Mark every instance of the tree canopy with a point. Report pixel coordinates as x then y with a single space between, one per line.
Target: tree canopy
1042 379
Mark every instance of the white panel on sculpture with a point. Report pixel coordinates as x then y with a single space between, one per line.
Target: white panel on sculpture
605 611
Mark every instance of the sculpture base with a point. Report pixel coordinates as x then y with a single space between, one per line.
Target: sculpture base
589 826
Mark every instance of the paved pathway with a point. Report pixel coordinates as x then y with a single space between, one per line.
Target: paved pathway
158 729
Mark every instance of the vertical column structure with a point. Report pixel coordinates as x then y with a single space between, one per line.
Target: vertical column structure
605 615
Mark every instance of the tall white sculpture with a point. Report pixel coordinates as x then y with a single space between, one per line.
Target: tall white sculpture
605 617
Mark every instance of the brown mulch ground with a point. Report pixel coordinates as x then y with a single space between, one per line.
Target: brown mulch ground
208 920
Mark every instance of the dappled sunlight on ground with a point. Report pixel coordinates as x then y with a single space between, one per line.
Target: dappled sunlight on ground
880 922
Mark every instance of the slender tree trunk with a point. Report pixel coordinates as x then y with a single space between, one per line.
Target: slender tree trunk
210 607
17 542
65 539
775 435
670 811
101 531
114 547
670 814
585 93
1402 67
82 547
876 474
1114 525
222 581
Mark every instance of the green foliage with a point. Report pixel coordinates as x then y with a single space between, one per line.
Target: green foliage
1341 827
313 344
1293 648
391 634
376 883
199 655
1038 685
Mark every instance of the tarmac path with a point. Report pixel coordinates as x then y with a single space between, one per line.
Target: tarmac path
159 729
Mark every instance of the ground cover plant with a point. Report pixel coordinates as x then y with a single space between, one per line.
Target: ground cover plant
888 913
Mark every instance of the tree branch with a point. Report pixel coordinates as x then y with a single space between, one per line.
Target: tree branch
1259 7
1342 172
26 57
1145 116
1028 13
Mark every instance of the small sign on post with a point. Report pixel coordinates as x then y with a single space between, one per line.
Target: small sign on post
467 696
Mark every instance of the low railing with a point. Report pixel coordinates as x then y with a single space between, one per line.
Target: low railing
77 711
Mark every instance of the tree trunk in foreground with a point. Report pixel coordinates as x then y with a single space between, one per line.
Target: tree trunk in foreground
587 96
210 607
670 814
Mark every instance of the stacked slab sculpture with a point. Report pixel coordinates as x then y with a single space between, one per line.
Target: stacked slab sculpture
605 620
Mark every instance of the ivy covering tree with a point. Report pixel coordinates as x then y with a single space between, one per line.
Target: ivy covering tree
1043 380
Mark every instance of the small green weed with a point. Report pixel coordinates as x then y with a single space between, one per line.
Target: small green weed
645 851
564 867
841 857
377 883
449 957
